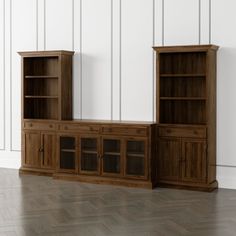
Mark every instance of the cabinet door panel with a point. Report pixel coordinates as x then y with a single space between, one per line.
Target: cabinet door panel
194 160
49 150
169 151
136 159
111 156
32 145
67 154
89 155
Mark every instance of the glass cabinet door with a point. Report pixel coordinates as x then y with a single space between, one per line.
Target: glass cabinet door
89 154
67 161
135 158
111 156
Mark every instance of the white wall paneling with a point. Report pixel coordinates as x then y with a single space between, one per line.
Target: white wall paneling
23 37
77 69
96 36
181 22
58 24
2 75
116 57
223 34
204 21
137 59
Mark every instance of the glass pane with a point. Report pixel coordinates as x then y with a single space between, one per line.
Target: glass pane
135 165
89 154
89 162
111 163
110 145
67 160
89 144
135 147
135 155
111 156
67 143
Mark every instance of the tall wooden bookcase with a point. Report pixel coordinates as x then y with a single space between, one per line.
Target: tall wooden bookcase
46 98
46 85
186 116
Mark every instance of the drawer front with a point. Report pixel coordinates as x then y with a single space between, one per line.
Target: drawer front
132 131
80 128
182 132
39 126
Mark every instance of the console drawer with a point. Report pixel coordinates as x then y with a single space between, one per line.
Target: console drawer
79 128
190 132
125 130
39 125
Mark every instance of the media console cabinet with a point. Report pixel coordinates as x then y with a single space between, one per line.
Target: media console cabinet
91 151
178 150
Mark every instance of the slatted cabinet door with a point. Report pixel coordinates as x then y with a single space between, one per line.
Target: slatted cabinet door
169 158
31 143
48 151
194 160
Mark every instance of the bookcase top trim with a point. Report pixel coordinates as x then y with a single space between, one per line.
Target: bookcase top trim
185 48
45 53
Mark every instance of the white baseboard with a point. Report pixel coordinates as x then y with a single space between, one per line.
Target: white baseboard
10 159
226 176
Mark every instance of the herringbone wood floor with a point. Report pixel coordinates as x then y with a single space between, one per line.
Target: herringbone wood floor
34 205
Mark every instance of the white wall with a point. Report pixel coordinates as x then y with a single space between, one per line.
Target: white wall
114 76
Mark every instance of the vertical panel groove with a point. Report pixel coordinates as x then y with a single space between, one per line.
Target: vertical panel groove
163 23
120 82
73 26
44 24
111 59
37 25
199 22
210 21
81 64
4 80
153 59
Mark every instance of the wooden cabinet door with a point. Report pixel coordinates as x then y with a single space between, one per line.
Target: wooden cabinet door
169 154
194 160
136 158
89 155
111 156
48 154
31 146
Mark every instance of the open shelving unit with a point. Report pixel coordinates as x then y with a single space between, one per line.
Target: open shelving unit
46 82
182 88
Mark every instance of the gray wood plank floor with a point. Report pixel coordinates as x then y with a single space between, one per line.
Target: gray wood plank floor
36 205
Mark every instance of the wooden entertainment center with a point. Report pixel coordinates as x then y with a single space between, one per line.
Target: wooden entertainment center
178 150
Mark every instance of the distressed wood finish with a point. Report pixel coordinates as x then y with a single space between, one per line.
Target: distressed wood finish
186 116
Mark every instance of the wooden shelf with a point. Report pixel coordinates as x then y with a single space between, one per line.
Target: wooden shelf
135 154
183 98
182 75
33 96
67 150
41 77
89 152
112 153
